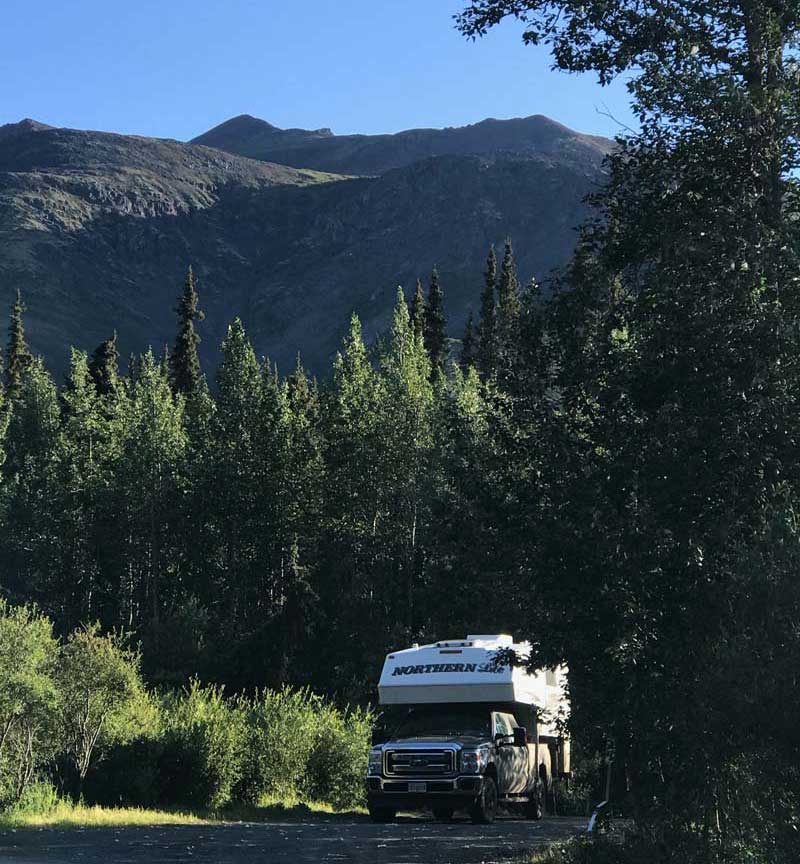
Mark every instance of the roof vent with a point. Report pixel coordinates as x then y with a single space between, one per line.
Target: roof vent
497 638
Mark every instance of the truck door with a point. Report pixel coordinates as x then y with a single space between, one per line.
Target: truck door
511 761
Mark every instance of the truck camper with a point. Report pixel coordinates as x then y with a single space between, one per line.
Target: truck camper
477 731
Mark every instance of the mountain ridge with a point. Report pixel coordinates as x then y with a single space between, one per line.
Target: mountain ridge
361 154
97 230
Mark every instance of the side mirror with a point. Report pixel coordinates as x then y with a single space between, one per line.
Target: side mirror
378 737
520 736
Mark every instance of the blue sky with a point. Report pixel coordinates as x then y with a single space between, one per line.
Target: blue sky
174 68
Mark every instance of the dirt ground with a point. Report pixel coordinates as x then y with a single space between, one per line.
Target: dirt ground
407 841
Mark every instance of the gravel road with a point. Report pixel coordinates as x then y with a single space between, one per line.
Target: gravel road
407 841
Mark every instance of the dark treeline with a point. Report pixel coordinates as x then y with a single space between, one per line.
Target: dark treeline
260 529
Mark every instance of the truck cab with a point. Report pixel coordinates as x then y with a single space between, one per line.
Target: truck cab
468 737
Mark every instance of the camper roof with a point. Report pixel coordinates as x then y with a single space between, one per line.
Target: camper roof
465 670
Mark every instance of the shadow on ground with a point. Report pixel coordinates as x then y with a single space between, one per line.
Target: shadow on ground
292 840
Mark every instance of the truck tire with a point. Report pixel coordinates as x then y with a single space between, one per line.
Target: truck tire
533 808
484 810
381 814
443 814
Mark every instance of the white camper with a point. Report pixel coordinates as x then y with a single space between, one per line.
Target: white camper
479 730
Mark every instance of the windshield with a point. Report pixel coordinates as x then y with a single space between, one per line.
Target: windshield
432 721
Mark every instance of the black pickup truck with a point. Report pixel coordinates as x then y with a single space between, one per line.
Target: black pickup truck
449 757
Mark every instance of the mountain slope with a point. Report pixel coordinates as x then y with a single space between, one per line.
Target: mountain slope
97 230
63 178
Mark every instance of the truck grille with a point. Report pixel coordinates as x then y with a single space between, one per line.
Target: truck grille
419 763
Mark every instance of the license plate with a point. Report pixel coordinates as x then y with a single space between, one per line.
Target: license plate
417 787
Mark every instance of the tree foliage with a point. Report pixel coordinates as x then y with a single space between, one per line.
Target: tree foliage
677 385
487 332
102 695
18 356
434 329
184 361
28 697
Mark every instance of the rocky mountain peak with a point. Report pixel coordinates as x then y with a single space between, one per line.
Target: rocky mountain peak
23 127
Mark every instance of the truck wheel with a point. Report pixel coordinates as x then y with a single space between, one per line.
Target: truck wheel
443 814
533 809
484 810
381 814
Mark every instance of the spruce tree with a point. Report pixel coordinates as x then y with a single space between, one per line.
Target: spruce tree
5 416
508 295
304 469
30 525
469 346
152 453
241 476
83 477
508 313
18 357
434 330
418 311
487 335
104 366
185 372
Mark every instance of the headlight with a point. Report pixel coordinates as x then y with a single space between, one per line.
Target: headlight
473 761
375 762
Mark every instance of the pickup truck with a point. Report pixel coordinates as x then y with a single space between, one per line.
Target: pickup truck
448 757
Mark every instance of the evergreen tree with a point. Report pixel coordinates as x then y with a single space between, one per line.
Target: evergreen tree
305 469
248 435
5 417
487 331
87 446
303 490
30 548
469 346
418 311
184 361
104 366
508 295
354 506
508 314
147 478
18 357
435 328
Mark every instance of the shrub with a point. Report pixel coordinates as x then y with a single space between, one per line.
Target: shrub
281 733
338 763
203 747
29 698
130 775
104 702
39 798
